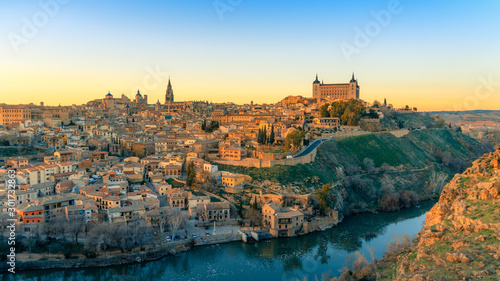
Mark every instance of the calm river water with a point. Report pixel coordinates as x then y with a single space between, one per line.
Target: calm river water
278 259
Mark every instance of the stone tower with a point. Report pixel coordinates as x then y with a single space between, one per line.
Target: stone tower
169 97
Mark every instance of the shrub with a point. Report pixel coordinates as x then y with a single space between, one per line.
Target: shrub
89 253
390 202
68 252
401 243
407 199
398 200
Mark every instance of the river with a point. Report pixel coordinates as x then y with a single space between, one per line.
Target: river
285 259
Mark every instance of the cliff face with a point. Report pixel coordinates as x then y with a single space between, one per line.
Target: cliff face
461 236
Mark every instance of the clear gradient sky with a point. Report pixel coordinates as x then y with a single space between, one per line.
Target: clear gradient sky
431 54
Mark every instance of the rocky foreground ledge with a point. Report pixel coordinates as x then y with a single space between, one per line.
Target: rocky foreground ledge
461 236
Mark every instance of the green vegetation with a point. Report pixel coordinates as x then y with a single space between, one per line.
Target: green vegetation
361 163
414 151
326 198
175 183
349 112
383 146
19 151
294 140
214 199
191 174
214 125
262 137
485 210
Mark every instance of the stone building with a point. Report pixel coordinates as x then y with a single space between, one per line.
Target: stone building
14 113
281 222
343 91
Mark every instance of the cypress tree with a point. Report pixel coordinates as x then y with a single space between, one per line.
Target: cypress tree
271 136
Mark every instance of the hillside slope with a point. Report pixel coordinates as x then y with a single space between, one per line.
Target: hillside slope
461 237
417 150
372 164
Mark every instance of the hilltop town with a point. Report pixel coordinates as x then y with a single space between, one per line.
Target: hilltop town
121 174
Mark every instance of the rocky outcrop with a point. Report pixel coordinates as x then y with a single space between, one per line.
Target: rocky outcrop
461 237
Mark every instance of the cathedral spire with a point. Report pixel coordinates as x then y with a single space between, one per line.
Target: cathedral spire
169 95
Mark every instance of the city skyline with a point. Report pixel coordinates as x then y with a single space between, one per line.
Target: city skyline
419 54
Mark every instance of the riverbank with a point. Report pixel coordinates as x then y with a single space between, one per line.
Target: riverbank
170 249
100 261
295 258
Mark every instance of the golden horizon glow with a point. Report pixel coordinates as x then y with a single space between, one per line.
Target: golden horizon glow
252 54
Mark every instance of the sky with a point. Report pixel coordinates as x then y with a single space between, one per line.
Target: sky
433 55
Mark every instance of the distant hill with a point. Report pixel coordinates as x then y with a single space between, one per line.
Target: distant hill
469 116
465 112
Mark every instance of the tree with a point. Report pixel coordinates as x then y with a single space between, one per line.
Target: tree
176 219
191 174
390 202
372 114
262 136
138 151
253 215
326 198
214 125
125 240
54 226
387 184
369 165
323 110
240 208
441 123
163 218
271 136
437 181
95 241
294 139
349 112
76 226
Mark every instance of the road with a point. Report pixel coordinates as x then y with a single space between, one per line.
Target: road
311 147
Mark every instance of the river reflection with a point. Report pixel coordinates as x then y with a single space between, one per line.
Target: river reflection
278 259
